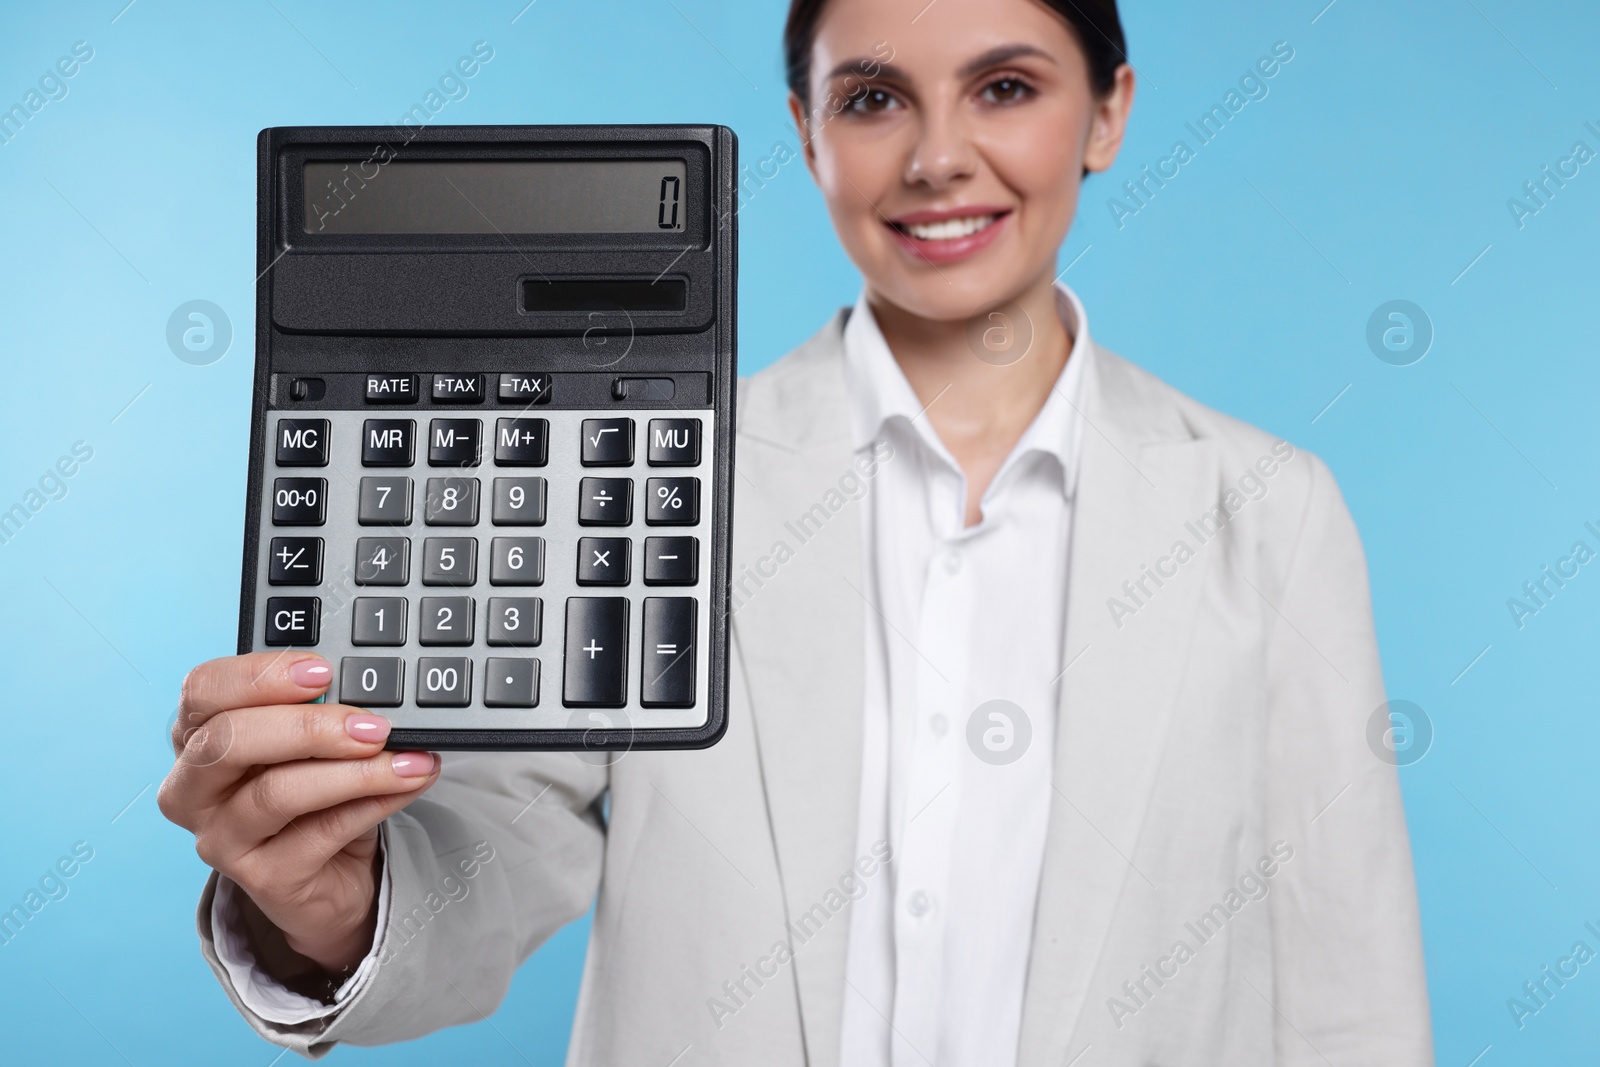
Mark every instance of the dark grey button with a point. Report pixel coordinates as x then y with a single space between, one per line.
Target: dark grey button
595 660
391 388
383 560
299 501
449 561
525 388
302 442
371 681
445 620
607 442
384 501
444 682
516 561
674 442
457 388
388 442
378 620
519 502
668 664
454 442
672 501
605 501
293 620
521 442
510 683
671 560
515 621
295 561
451 502
603 560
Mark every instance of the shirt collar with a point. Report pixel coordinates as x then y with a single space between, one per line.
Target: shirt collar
880 393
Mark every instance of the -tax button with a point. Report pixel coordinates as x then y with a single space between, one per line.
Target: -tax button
391 388
524 388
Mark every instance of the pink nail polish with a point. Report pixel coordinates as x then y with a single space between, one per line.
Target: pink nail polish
414 764
366 727
311 673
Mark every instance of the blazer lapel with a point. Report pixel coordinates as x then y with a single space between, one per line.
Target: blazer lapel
1143 475
798 635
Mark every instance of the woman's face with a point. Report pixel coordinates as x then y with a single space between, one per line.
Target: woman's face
949 140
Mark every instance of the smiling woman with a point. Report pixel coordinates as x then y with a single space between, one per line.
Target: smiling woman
924 670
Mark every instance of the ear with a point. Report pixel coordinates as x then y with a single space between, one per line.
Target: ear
797 112
1110 122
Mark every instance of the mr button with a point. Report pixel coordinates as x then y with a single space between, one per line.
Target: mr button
292 620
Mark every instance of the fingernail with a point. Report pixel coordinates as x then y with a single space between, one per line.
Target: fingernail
366 727
415 764
311 673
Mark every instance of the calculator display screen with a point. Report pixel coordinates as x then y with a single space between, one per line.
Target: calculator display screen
495 196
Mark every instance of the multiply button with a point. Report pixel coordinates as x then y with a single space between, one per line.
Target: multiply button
295 561
292 620
521 442
674 442
388 442
595 660
605 501
391 388
525 388
667 667
603 560
302 442
457 388
607 442
454 442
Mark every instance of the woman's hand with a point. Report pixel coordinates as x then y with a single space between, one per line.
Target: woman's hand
285 797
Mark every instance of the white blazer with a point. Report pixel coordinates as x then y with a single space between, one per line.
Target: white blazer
1215 787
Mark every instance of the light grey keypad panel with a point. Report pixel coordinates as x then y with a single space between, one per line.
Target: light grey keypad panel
506 594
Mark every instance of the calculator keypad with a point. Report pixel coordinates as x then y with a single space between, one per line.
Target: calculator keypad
599 598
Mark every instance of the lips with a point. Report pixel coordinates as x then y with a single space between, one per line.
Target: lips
950 235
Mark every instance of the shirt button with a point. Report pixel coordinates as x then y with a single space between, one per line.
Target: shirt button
938 724
919 904
952 561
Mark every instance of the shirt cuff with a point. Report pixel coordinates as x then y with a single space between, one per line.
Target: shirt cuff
262 993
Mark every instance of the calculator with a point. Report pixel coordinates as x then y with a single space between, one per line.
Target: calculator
492 428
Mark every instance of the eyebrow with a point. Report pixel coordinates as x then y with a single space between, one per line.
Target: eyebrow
993 57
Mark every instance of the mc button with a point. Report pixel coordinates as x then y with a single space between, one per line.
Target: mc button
302 443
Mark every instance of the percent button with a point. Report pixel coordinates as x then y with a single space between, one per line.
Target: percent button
672 501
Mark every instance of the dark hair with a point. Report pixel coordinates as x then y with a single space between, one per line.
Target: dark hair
1095 23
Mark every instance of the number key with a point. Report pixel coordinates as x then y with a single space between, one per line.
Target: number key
383 560
519 501
445 620
451 502
378 620
371 681
384 502
516 561
444 682
449 561
515 621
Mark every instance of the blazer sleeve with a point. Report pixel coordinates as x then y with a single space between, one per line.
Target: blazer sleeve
1349 985
504 850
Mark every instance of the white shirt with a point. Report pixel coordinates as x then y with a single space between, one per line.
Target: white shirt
957 617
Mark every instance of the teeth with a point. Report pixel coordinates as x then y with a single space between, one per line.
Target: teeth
948 229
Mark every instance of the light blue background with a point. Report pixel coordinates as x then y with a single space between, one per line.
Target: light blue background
1379 167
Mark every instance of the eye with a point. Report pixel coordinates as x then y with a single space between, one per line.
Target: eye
1006 91
868 100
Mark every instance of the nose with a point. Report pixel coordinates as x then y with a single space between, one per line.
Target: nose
943 152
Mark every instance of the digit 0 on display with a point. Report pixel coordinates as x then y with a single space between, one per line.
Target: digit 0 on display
490 362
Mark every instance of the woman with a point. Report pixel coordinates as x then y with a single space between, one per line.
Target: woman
1050 685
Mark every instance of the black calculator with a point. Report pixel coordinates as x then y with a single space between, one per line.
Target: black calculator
491 444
